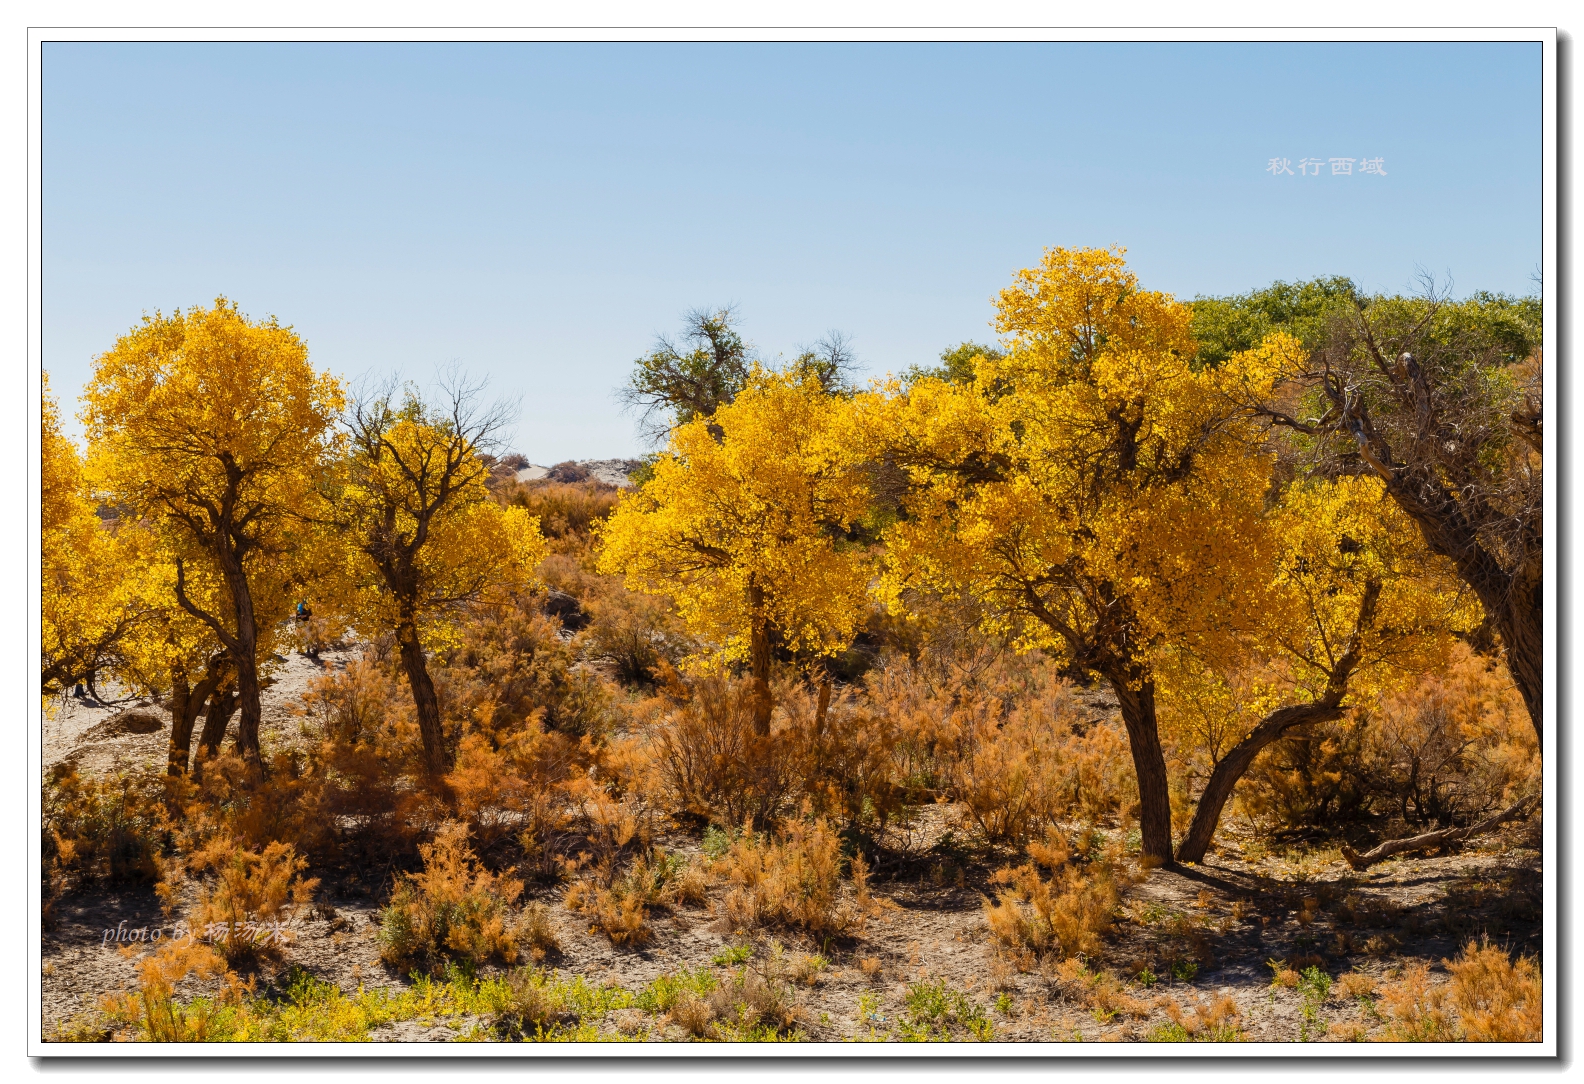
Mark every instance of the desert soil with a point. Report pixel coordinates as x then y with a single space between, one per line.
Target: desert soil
1220 922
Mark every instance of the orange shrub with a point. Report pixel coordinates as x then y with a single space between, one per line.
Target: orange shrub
1065 915
794 881
454 908
248 889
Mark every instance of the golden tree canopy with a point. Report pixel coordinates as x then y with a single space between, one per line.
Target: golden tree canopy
1091 484
416 498
751 529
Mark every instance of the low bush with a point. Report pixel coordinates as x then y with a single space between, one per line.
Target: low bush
1210 1021
248 896
794 881
453 909
619 905
567 510
1063 915
710 764
113 828
1498 999
151 1012
1489 998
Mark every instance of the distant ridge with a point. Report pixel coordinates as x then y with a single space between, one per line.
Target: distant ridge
612 472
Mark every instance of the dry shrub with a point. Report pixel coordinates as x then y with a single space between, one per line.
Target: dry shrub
794 881
1498 1000
845 767
619 905
453 908
709 763
521 782
637 636
536 930
245 888
1211 1021
532 1002
1347 1031
1039 767
1446 751
511 665
1416 1009
755 998
1065 915
290 801
1105 994
1002 733
870 966
1456 747
567 511
151 1008
693 1014
1355 984
113 828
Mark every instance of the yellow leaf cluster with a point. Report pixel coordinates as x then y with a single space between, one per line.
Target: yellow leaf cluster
466 543
746 518
90 608
1092 484
214 429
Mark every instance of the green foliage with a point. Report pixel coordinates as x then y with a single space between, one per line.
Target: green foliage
662 994
1223 326
676 383
933 1010
732 955
956 364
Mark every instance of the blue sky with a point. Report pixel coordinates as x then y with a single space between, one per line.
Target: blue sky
537 213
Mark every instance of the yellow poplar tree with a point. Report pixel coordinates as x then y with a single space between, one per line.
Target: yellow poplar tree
1355 603
89 607
1091 485
216 428
746 528
427 534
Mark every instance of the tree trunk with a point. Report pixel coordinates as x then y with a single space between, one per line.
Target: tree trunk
823 707
425 702
181 722
1149 762
1513 599
245 655
1522 627
222 703
186 703
759 661
1207 814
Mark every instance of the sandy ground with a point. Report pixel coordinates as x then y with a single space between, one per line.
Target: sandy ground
1222 921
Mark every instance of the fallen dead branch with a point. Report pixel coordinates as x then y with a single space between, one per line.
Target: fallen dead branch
1521 809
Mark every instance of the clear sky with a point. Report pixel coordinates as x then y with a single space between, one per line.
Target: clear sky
538 213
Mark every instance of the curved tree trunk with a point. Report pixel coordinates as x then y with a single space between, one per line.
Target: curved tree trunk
1149 762
1207 814
427 705
1522 627
186 703
222 704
